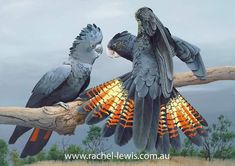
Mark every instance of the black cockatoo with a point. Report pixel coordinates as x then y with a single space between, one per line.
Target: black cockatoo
122 45
143 103
62 84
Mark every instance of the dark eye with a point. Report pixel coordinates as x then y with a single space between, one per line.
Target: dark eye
93 46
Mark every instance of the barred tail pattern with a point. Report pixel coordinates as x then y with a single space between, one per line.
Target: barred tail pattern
178 113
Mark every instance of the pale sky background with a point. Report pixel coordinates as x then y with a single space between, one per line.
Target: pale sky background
35 36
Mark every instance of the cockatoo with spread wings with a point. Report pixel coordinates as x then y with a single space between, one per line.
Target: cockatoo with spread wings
143 104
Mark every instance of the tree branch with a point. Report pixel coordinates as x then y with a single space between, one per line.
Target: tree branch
54 118
213 74
65 121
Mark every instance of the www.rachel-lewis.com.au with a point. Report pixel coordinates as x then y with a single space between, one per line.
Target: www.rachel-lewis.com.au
117 156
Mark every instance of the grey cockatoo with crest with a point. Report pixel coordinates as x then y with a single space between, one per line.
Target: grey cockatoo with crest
62 84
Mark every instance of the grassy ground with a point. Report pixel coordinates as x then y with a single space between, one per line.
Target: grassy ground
175 161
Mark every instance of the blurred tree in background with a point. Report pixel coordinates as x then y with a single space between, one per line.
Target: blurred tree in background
15 158
220 142
41 156
188 148
74 149
3 153
55 153
94 142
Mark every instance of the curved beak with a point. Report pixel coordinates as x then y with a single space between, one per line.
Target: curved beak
112 53
99 49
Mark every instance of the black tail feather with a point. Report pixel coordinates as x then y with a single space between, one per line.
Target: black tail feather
145 115
19 130
155 121
36 144
163 144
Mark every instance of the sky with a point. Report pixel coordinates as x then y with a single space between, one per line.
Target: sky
35 37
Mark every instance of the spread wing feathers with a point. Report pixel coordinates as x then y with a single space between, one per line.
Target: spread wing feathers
186 118
110 103
126 118
112 99
124 125
178 113
190 54
163 137
173 132
162 49
92 92
103 97
110 125
115 99
48 83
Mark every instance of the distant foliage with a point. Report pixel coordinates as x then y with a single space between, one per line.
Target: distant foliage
3 153
41 156
74 149
94 141
219 144
55 153
188 149
15 158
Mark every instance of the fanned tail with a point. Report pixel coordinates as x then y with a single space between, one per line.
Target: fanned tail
124 128
110 125
176 114
115 100
163 130
103 88
150 122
